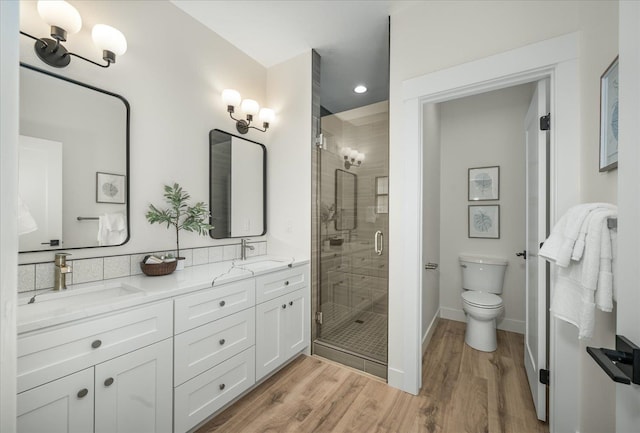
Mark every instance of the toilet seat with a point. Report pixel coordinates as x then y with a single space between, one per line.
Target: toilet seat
482 299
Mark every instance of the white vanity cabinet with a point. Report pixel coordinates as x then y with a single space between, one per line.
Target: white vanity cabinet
120 365
282 322
213 350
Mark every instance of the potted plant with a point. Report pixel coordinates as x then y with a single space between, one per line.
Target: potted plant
180 215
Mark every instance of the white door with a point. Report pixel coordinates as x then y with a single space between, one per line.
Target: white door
62 406
134 391
535 353
40 187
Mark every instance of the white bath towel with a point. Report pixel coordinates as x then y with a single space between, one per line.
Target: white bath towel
586 283
112 229
559 247
26 223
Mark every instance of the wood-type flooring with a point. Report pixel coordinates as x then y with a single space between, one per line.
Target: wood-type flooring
463 390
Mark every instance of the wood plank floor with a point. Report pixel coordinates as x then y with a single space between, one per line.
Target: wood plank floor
463 390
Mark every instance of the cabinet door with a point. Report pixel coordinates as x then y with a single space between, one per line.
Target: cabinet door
297 322
64 405
269 336
133 391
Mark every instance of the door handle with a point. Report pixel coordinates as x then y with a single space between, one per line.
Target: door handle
378 246
523 254
431 266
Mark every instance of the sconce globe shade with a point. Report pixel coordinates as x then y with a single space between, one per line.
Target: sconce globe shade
60 14
345 151
231 97
360 157
354 154
249 106
266 115
108 38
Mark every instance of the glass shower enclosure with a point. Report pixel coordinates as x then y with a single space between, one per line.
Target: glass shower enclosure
352 204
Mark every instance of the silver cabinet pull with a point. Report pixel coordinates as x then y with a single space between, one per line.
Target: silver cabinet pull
108 382
431 266
378 245
96 344
222 386
83 392
222 303
222 341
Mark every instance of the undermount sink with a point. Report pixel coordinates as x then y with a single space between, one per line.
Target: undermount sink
258 264
74 298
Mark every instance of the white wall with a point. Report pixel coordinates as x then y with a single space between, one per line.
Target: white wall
628 320
289 158
173 82
481 131
431 36
431 223
8 221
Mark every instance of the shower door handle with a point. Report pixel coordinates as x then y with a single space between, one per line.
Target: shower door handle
378 245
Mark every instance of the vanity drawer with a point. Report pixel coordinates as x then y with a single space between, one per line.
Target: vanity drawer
52 353
206 346
211 304
202 396
276 284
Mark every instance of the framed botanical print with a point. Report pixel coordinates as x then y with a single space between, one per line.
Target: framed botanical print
609 117
484 221
110 188
484 183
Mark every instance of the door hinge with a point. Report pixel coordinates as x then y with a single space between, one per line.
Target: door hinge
545 122
544 376
319 317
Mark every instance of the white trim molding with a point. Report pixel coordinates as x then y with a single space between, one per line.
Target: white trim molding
555 59
431 329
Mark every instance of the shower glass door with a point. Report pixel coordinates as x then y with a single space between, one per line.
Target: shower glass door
353 262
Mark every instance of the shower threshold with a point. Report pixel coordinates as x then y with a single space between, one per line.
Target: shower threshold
349 358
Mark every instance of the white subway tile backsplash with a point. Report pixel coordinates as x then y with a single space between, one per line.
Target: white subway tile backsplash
135 260
200 256
117 266
188 257
231 252
45 273
87 270
26 278
216 254
40 276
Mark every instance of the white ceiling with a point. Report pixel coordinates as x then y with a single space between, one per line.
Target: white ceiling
350 36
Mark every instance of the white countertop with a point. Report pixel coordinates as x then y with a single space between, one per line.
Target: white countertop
81 301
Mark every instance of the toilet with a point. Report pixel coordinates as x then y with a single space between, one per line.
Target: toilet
482 280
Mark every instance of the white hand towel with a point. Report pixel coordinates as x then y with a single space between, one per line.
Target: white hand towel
604 292
579 245
111 229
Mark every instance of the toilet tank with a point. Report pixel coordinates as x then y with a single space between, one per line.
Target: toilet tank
484 274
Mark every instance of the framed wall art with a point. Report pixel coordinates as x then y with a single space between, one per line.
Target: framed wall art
110 188
609 117
484 183
484 221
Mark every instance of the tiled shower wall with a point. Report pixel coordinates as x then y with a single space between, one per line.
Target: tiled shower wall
40 276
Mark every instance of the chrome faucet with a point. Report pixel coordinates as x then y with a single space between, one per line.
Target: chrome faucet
244 247
61 271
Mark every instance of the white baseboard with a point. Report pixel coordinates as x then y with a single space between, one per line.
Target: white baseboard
430 330
504 324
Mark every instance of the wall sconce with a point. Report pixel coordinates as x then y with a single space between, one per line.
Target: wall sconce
351 157
64 19
250 108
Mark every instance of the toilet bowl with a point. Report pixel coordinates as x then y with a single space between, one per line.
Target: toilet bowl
482 281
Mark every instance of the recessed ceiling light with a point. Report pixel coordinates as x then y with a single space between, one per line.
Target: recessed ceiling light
360 89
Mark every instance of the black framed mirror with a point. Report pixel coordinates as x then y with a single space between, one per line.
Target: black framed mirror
346 200
237 186
73 170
